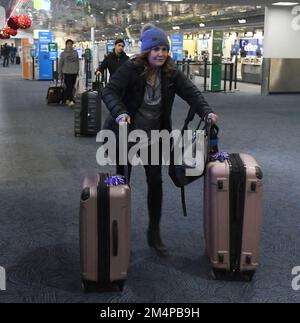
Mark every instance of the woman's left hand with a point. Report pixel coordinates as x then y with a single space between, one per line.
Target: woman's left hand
214 118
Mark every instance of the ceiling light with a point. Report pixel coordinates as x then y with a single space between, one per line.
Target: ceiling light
157 21
172 0
101 12
242 21
142 23
202 24
284 3
129 3
92 15
176 27
103 35
258 7
113 9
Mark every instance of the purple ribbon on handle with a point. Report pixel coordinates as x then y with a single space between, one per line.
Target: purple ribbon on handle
115 180
220 156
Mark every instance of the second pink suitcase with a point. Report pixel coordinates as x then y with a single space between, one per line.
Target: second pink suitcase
233 215
104 231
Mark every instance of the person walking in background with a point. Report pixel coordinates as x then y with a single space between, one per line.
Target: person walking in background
115 59
68 70
141 93
13 52
6 53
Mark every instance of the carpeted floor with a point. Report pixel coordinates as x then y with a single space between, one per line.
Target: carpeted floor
42 166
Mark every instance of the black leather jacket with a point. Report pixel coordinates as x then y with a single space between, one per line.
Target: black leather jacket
125 94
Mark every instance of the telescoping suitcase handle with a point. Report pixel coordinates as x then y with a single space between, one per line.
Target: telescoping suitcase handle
126 167
98 85
115 228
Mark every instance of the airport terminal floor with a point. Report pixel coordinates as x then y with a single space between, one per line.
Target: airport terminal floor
42 166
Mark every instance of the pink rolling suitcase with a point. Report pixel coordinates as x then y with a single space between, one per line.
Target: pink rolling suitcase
104 231
233 215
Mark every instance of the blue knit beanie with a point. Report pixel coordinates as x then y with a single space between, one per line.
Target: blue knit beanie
152 36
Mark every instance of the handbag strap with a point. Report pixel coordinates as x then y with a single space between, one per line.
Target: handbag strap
207 127
183 201
189 118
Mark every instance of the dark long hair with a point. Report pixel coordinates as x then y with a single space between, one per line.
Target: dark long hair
168 68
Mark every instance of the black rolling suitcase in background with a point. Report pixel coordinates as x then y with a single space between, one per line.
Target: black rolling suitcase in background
88 114
88 109
56 91
55 94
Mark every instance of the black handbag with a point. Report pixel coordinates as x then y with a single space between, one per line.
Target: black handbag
178 173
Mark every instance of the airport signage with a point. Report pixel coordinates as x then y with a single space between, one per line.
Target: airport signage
177 46
53 54
217 42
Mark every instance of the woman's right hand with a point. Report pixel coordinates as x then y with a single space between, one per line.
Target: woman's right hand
125 119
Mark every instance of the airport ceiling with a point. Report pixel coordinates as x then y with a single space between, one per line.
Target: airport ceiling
126 17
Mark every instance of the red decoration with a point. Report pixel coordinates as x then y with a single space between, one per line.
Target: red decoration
13 22
24 22
4 35
9 31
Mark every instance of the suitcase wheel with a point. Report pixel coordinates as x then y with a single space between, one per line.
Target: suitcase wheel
88 286
218 274
120 284
85 286
248 275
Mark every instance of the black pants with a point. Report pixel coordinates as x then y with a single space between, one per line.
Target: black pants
155 192
70 80
5 61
